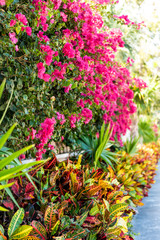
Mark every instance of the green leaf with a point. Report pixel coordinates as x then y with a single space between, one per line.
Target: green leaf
16 221
1 238
11 195
83 218
10 158
94 210
1 229
117 208
2 87
55 228
21 232
5 137
8 2
18 29
6 185
2 209
39 230
1 120
9 173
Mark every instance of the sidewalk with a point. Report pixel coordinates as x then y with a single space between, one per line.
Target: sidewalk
147 221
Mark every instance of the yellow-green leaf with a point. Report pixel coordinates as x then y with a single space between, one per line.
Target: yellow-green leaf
113 232
106 204
31 238
21 232
50 218
55 227
16 221
18 29
117 208
2 209
94 210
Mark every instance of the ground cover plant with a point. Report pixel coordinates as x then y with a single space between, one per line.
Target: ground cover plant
76 201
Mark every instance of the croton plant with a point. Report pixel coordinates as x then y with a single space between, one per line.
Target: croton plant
76 201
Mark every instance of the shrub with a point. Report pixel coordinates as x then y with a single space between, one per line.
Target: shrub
61 62
79 202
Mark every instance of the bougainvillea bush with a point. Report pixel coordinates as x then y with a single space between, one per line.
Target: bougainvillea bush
61 61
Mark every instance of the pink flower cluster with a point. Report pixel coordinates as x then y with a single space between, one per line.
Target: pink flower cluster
43 136
61 117
13 38
68 50
90 52
21 18
127 21
140 83
130 61
2 3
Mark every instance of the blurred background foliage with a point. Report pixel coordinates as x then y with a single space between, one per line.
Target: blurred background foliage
141 45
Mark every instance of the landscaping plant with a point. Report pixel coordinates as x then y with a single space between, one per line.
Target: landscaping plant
9 158
61 60
95 149
76 201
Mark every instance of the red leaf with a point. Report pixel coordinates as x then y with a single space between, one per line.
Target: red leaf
29 188
8 204
15 188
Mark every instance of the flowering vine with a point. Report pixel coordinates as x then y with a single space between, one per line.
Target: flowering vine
83 60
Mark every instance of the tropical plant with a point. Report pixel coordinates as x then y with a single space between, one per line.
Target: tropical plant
15 231
145 131
136 173
96 149
85 204
7 158
130 146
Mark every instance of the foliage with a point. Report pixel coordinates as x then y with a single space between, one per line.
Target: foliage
145 131
15 231
78 202
62 64
95 149
136 173
8 158
130 146
88 196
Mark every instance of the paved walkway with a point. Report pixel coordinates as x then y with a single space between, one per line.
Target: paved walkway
147 221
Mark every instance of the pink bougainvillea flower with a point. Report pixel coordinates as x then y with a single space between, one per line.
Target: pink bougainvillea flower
22 18
45 27
29 31
72 119
22 156
46 77
52 20
2 3
66 89
68 50
13 38
64 16
12 23
62 138
97 134
57 4
16 48
51 147
41 70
